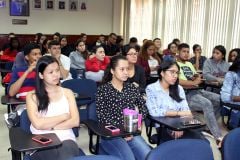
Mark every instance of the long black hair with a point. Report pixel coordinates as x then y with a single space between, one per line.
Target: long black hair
112 65
41 93
230 53
235 67
173 89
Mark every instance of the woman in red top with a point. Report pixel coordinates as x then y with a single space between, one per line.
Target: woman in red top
96 65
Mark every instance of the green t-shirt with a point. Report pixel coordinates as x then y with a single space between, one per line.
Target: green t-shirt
186 70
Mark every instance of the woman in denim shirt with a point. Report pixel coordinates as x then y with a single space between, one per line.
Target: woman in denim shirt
166 98
230 91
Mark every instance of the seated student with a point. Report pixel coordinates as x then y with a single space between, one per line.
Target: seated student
7 45
56 36
64 62
158 45
100 41
230 91
66 49
110 47
215 68
149 60
174 102
197 60
23 77
79 56
170 54
37 38
136 72
45 46
96 65
112 97
10 53
198 100
232 55
52 109
133 42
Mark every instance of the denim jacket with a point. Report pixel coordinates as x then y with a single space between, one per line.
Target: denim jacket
231 87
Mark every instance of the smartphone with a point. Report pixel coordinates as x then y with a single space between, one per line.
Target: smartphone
191 122
42 139
113 129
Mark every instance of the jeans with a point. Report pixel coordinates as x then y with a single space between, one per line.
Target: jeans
67 150
187 134
207 102
136 148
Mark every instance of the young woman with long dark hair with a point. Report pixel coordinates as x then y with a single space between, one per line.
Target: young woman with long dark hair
149 60
79 56
53 109
112 97
231 87
167 98
215 68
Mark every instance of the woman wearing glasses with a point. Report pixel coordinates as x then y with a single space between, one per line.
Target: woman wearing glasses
166 98
136 73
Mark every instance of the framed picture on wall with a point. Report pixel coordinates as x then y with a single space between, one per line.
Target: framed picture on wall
37 4
50 4
73 5
19 7
61 5
2 3
83 5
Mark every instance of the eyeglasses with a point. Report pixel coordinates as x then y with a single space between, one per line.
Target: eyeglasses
173 73
133 54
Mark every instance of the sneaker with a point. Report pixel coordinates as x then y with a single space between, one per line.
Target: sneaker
207 134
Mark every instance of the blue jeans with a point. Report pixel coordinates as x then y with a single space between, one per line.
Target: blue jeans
136 148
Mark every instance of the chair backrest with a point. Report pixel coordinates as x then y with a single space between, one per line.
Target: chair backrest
25 124
73 72
91 111
84 87
182 149
231 145
77 73
96 157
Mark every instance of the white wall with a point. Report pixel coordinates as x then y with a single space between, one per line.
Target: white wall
97 19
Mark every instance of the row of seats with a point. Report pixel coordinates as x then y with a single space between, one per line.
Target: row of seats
184 149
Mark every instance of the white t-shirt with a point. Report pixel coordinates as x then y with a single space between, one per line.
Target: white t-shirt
152 62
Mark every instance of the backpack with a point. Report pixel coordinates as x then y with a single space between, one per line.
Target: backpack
13 119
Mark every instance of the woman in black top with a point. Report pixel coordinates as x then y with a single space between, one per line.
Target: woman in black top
136 72
112 97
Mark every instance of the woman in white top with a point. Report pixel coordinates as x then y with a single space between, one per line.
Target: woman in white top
149 60
52 109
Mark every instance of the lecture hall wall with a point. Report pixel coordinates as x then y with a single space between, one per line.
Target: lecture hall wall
101 17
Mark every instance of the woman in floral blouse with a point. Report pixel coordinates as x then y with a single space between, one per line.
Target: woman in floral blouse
112 97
